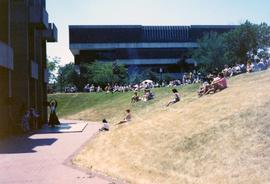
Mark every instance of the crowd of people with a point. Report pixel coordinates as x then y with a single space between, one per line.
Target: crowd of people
216 80
217 83
119 88
187 78
211 83
184 79
251 66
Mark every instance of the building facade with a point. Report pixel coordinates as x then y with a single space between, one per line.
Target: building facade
156 47
24 32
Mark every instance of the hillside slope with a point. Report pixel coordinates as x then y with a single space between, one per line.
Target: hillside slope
96 106
220 138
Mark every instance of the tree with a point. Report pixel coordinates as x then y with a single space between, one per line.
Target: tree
138 75
52 66
67 76
245 41
101 73
210 54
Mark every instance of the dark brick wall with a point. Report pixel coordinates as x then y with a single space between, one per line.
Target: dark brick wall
20 74
4 114
28 44
4 73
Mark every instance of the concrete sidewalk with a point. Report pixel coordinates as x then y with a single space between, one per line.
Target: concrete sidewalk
41 159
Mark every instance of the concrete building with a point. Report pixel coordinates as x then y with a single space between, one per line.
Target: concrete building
24 32
156 47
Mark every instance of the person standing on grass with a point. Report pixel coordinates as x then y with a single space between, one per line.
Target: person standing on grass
176 97
127 118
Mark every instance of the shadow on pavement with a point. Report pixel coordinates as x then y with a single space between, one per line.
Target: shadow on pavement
23 144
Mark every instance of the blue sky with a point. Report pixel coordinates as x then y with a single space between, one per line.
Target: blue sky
148 12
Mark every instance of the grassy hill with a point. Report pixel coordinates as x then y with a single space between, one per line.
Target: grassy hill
220 138
96 106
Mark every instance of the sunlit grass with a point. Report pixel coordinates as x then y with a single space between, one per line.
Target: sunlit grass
221 138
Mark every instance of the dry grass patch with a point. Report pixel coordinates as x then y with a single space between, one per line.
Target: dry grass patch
221 138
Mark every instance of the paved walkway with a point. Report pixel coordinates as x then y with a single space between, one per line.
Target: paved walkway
42 159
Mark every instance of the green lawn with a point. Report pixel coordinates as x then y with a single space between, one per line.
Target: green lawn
99 105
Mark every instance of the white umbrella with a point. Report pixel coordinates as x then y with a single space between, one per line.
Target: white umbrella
147 81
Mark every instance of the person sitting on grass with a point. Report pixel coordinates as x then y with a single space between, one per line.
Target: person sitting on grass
135 98
249 67
204 88
127 118
176 97
218 84
148 95
106 126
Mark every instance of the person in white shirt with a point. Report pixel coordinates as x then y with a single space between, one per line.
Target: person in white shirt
106 125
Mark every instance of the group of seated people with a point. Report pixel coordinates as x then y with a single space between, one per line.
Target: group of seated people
214 83
218 83
234 70
117 88
251 66
91 88
148 95
260 65
71 89
191 77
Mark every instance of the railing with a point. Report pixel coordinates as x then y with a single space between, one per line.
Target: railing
6 56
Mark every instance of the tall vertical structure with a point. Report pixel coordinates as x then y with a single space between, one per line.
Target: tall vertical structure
24 32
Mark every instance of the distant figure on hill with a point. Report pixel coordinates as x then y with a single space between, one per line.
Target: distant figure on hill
99 89
249 67
106 126
148 95
53 120
176 97
127 118
135 97
108 88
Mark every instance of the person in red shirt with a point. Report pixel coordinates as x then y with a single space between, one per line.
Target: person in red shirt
221 83
218 85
